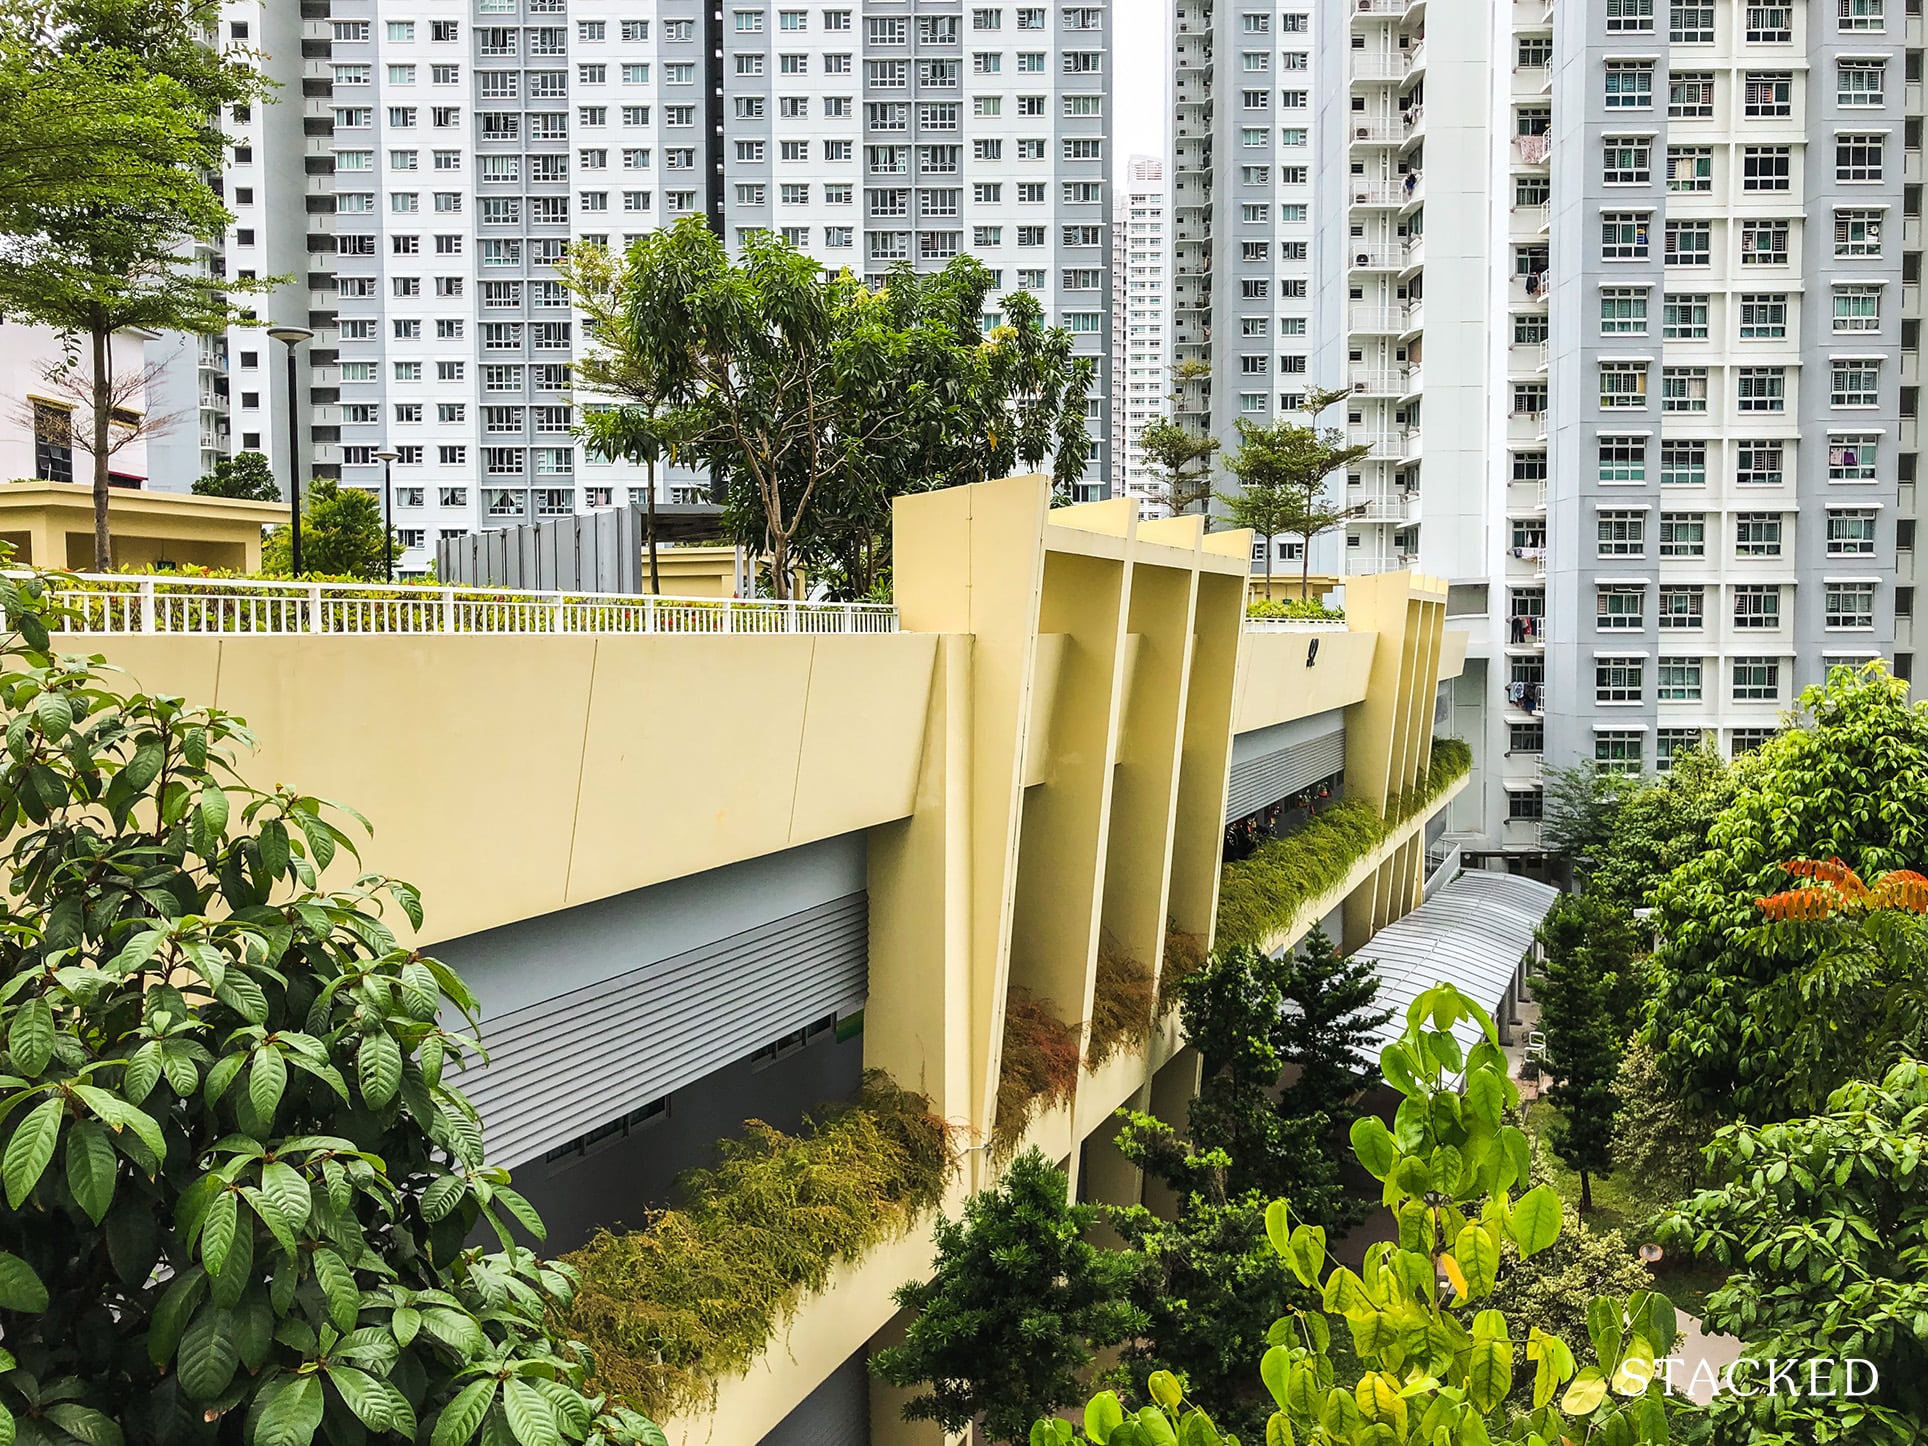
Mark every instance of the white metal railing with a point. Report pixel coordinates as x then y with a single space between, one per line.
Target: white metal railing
1442 867
105 603
1295 625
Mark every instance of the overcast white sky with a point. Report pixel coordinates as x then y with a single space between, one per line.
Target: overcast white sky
1141 56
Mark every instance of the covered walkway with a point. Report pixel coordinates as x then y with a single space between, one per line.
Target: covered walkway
1473 934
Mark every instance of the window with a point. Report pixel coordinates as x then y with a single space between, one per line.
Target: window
1690 168
1623 385
1854 383
1757 534
1677 680
1757 605
1622 460
1683 317
1862 14
1620 608
1858 157
1857 308
1524 803
1531 330
1626 160
1619 680
1770 24
1766 168
1757 680
1858 83
1851 458
1618 750
1689 243
1760 389
1621 534
1630 85
1683 534
1623 311
1681 607
1630 17
1763 316
1758 464
1764 243
1623 235
1768 93
1690 24
1857 233
1850 532
1683 389
1690 95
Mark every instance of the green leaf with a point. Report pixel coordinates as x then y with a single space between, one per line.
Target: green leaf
378 1068
20 1287
117 1114
218 1230
243 995
1373 1143
1489 1373
1535 1220
214 807
31 1147
283 1184
523 1211
530 1417
407 1322
442 1197
363 1396
1588 1390
337 1283
267 1080
1278 1430
54 714
291 1415
208 1354
92 1168
1163 1387
1479 1261
171 1315
462 1416
1102 1416
1486 1093
1275 1370
30 1038
84 1424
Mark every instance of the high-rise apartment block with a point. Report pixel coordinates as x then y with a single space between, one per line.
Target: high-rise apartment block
1618 288
1242 194
450 151
1140 328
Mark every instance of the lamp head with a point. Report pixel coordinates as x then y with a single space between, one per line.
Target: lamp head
292 335
387 454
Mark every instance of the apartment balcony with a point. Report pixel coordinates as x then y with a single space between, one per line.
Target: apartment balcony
1416 60
1383 508
1414 314
1532 150
1386 443
1412 444
1413 127
1412 255
1370 257
1380 320
1387 194
1526 427
1375 382
1378 7
1412 382
1383 65
1384 131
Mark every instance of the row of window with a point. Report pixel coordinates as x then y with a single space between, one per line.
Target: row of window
1859 83
1859 158
1262 99
1618 680
1622 533
496 378
1691 22
1758 462
1852 382
1622 607
1758 316
553 125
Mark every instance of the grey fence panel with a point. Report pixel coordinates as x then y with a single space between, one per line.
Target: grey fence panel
1267 777
560 1067
597 551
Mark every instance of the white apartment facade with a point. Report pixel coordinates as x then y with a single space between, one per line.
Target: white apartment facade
1140 329
451 150
1623 305
1246 129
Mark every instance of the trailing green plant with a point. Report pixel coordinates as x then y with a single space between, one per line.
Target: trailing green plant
1261 895
1436 1362
700 1291
238 1185
1185 955
1121 1006
1308 608
1038 1067
1017 1304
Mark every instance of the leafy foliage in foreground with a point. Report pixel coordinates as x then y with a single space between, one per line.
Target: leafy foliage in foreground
701 1290
237 1182
1436 1368
1823 1221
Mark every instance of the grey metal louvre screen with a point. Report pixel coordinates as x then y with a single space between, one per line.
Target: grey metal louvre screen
561 1067
1268 777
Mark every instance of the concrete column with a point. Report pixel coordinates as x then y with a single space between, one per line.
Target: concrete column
1503 1017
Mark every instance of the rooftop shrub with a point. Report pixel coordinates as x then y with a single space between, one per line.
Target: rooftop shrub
1308 608
700 1291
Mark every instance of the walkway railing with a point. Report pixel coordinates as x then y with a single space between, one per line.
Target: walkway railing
1295 625
108 604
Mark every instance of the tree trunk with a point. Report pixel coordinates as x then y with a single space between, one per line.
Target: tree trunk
103 410
779 567
1268 567
1305 567
1586 1193
649 528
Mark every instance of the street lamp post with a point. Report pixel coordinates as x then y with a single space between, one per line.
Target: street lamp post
387 457
292 337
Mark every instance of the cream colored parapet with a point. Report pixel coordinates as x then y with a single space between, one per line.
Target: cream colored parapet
510 776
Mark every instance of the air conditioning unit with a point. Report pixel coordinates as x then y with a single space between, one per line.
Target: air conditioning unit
1362 196
1365 258
1364 132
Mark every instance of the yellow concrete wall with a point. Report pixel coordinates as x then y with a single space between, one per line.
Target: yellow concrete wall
510 776
51 524
1276 686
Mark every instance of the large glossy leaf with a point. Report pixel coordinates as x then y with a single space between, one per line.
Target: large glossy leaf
92 1167
208 1354
1535 1219
20 1288
31 1147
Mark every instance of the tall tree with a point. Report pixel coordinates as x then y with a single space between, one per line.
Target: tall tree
100 257
1017 1305
1655 828
1584 1013
239 1185
1182 461
246 476
817 399
1283 467
640 421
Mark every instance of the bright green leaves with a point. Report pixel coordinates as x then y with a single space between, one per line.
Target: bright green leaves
209 1354
20 1288
1478 1257
30 1037
378 1068
31 1147
1373 1143
462 1417
92 1167
1534 1221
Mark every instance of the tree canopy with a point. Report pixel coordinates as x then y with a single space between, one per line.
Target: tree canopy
1849 782
238 1180
341 535
246 477
1282 469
